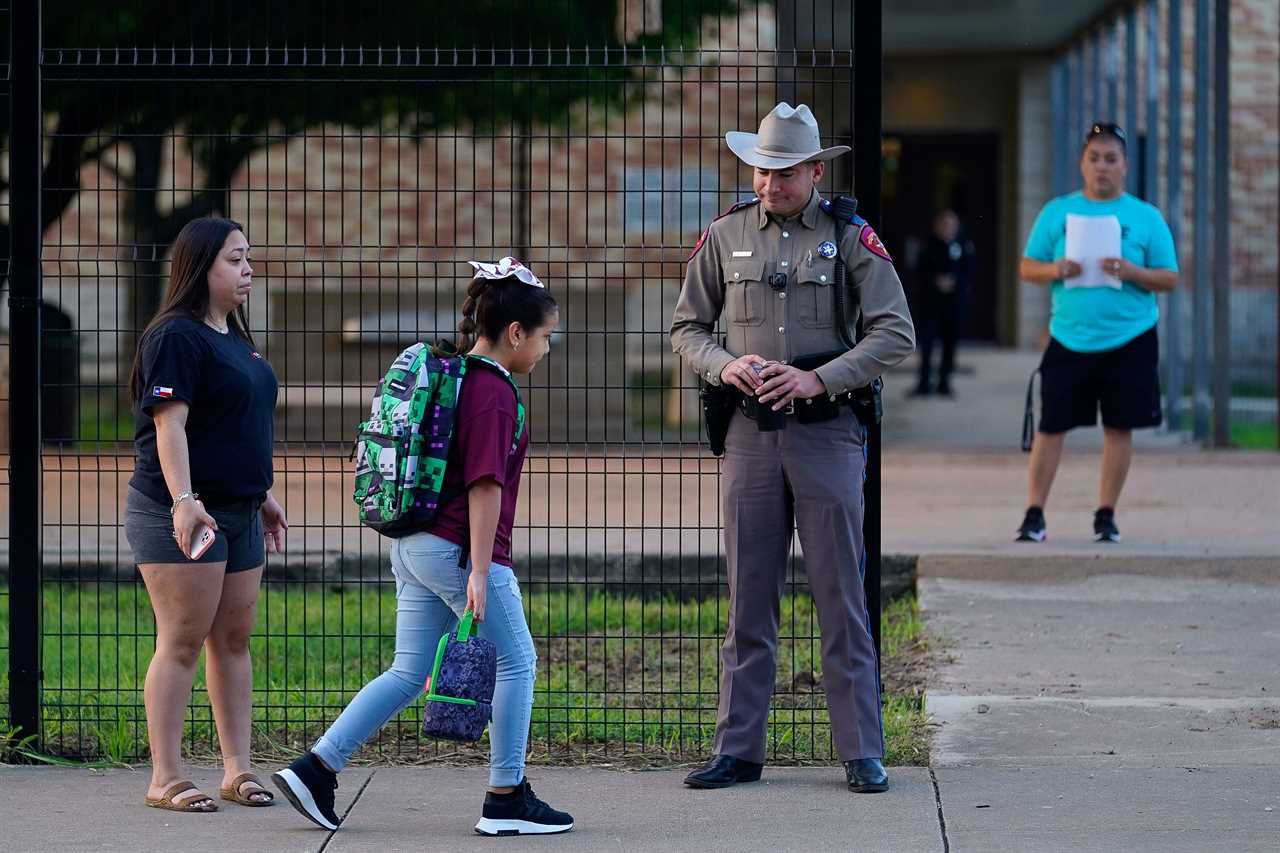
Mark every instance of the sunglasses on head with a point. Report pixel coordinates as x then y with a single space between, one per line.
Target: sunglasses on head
1106 129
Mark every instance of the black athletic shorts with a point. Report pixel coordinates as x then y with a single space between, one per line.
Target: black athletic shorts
238 541
1123 382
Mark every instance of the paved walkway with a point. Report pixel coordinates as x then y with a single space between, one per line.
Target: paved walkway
434 809
1111 712
1091 698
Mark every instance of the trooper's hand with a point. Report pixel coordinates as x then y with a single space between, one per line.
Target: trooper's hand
784 383
741 374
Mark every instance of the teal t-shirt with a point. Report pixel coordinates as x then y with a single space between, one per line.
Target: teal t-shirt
1093 319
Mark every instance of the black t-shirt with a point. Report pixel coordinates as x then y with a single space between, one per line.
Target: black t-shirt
232 394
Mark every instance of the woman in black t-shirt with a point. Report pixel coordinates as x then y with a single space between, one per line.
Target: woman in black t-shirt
199 510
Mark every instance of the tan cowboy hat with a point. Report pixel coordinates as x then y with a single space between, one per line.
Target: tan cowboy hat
787 136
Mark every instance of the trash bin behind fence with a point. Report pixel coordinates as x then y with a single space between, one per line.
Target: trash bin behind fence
60 376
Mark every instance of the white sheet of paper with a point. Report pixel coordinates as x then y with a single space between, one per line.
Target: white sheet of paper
1089 240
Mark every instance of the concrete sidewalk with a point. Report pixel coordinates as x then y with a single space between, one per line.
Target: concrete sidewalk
416 809
1106 712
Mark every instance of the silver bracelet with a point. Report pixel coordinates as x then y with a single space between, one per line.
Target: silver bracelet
182 496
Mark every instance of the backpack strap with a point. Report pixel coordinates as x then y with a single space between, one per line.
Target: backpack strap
515 389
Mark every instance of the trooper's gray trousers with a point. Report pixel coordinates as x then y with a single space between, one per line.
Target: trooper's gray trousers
812 474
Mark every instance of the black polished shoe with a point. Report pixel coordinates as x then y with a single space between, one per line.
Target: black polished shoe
866 776
723 771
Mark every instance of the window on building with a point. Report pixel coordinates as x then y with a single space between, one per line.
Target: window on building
675 200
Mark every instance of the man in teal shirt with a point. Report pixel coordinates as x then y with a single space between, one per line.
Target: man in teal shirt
1103 351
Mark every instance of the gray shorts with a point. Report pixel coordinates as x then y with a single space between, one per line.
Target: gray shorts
238 541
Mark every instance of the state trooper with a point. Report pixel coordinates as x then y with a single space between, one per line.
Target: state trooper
794 452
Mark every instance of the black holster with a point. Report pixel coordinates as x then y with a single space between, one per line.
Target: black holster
718 405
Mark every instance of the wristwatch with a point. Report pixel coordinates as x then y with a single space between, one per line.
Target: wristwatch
182 496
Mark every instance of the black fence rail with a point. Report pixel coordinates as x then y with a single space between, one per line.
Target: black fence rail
369 152
6 89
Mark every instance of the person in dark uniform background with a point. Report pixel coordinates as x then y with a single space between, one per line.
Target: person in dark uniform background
795 453
944 270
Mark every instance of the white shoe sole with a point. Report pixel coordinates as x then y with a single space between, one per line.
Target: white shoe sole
1031 536
490 826
297 793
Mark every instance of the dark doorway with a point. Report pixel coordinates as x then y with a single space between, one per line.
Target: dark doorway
926 172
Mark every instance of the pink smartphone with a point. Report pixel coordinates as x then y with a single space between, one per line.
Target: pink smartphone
202 538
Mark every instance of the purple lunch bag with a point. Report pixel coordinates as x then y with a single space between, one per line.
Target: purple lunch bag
460 689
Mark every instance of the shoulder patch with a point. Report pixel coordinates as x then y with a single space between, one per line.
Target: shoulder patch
869 239
697 247
733 208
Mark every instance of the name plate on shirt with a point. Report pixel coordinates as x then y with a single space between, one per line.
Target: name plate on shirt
741 254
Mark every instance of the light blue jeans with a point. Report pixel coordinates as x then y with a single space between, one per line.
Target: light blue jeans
431 594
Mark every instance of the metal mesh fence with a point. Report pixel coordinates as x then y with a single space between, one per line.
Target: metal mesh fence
370 151
5 87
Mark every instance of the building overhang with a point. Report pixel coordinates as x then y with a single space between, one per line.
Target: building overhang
987 26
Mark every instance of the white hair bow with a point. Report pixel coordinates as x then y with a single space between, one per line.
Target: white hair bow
506 267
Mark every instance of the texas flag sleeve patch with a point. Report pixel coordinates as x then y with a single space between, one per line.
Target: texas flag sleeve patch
161 391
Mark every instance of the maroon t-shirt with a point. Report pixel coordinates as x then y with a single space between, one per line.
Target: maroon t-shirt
482 448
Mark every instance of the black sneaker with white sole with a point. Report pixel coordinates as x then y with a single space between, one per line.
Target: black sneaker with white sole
1032 529
309 786
1104 525
520 813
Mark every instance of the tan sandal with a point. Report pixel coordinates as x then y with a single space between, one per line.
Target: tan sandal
195 804
231 793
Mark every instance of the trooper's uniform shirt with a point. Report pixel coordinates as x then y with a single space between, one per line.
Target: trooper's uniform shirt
728 279
809 472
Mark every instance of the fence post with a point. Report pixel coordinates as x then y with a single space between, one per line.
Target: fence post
1131 94
1173 211
1201 282
867 81
1221 382
25 165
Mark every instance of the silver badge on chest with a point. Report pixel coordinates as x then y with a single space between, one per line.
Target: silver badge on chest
827 249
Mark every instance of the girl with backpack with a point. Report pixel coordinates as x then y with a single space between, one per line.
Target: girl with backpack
461 561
